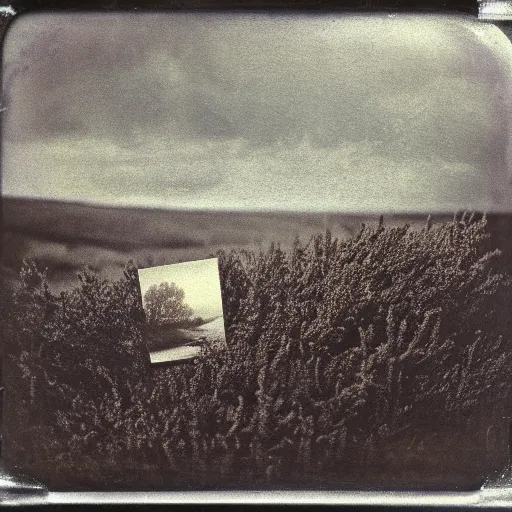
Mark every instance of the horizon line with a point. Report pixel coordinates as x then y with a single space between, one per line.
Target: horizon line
259 211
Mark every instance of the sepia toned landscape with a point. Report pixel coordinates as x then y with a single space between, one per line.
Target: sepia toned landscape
351 328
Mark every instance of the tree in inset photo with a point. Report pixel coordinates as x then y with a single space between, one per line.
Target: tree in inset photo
165 305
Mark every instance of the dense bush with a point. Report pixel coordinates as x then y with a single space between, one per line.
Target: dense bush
382 358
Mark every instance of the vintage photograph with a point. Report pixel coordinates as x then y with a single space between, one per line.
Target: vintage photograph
183 308
256 251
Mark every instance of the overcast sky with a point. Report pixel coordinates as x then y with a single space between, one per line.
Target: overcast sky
198 279
329 112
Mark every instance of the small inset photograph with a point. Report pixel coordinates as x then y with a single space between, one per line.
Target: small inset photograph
183 307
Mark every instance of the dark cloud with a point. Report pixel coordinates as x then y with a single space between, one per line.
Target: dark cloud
415 88
260 78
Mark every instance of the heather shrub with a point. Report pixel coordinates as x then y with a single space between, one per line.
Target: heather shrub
381 357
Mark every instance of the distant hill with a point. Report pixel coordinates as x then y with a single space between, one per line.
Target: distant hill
65 237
